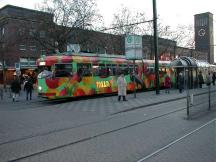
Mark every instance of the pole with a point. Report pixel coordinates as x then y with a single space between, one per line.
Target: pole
188 93
4 73
209 97
156 47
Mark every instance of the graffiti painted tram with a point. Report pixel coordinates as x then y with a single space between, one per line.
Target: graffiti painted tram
83 74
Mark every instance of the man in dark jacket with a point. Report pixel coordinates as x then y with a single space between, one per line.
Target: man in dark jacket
28 87
15 88
180 82
200 79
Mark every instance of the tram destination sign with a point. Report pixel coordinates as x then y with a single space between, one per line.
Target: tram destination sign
133 47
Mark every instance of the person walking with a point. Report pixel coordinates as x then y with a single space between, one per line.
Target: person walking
15 88
122 87
200 79
167 84
213 78
180 82
28 87
208 79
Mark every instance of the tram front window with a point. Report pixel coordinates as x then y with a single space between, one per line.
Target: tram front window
46 73
63 70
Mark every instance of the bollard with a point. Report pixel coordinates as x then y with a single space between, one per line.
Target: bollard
1 94
209 97
191 99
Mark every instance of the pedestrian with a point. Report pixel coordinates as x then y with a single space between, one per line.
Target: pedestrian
180 82
167 84
213 78
208 79
200 79
28 87
122 87
15 88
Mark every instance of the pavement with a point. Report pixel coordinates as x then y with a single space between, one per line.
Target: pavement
6 96
32 127
108 104
146 98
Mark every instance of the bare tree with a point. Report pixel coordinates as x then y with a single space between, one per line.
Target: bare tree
184 35
127 22
68 18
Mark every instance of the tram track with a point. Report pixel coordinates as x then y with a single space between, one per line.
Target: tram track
71 143
110 117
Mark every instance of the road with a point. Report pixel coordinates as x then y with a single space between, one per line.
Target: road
105 130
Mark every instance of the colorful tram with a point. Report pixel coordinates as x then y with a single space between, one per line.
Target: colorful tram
85 74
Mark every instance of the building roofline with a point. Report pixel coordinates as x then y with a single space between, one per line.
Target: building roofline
22 8
203 13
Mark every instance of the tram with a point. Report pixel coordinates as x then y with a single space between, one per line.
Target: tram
84 74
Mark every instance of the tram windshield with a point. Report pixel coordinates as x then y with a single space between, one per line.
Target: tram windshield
46 73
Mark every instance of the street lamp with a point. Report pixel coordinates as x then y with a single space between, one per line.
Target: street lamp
156 47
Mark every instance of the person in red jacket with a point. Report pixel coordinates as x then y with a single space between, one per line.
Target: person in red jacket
167 84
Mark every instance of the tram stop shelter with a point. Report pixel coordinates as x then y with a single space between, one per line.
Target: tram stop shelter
189 67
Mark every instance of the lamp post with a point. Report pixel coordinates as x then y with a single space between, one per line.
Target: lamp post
3 64
156 47
3 22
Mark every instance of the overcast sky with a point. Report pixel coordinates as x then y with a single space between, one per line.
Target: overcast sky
171 12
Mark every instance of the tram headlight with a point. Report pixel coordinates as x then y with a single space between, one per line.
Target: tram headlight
39 88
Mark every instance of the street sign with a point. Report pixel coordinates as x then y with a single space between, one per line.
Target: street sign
133 47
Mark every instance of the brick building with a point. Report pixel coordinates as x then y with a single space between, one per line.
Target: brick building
19 25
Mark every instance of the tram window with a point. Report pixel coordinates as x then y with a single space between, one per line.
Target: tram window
162 70
131 69
44 72
103 71
118 70
136 69
114 69
151 69
95 70
110 69
125 69
63 70
84 69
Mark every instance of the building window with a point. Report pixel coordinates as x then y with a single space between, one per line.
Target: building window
23 62
42 34
43 52
32 32
27 62
32 62
2 32
33 48
22 47
21 31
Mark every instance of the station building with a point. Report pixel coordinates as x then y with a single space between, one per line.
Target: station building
18 46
